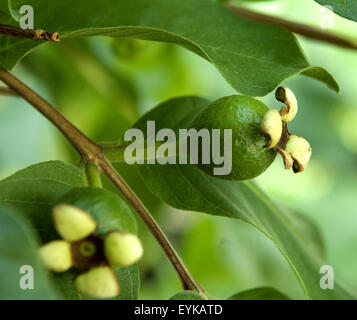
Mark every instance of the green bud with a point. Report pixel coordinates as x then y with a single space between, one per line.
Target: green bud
72 223
122 249
56 255
98 282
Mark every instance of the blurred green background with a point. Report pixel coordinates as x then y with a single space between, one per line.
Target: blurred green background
103 85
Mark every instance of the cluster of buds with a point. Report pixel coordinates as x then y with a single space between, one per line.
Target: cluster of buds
295 150
82 248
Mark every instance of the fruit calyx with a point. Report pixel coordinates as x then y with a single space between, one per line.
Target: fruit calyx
295 150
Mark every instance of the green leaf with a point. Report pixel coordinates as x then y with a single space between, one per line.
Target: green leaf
188 188
254 58
264 293
186 295
344 8
309 231
18 248
33 191
322 75
5 16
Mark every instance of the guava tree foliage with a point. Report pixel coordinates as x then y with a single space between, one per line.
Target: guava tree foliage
254 59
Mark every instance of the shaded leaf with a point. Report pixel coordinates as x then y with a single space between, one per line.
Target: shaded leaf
264 293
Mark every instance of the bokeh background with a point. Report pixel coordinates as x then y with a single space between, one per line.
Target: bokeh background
103 85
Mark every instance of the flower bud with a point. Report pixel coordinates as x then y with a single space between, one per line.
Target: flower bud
98 282
122 249
56 255
72 223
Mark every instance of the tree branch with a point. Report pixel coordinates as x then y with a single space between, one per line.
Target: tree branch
92 153
7 92
37 34
298 28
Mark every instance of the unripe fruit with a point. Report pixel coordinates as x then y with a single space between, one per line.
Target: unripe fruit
122 249
99 282
56 255
243 115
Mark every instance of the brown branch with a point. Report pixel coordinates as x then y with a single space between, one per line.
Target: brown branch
92 153
36 34
7 92
298 28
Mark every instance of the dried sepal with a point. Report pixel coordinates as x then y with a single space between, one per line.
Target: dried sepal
56 255
98 282
288 160
272 127
300 151
285 95
122 249
72 223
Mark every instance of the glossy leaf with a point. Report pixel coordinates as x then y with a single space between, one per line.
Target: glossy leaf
187 187
254 58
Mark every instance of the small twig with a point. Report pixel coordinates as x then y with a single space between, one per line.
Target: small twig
7 92
298 28
36 34
93 153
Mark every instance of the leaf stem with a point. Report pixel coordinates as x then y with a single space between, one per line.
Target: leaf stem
295 27
93 153
37 34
